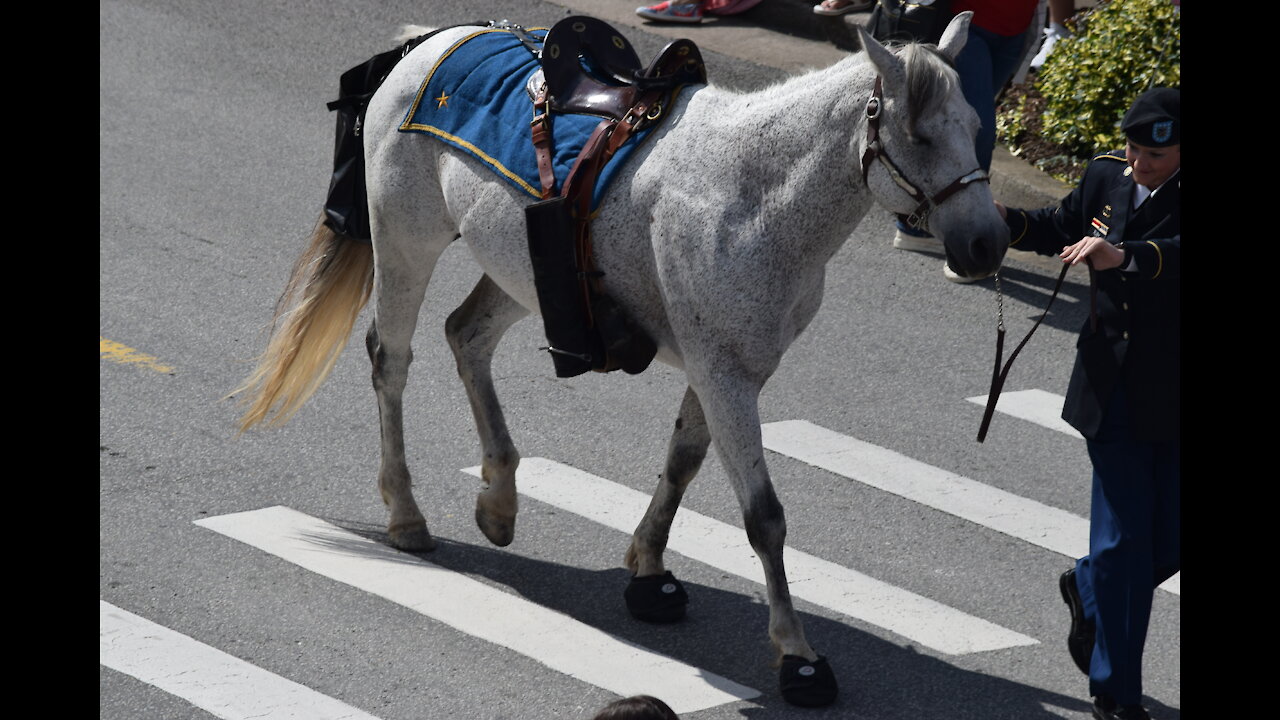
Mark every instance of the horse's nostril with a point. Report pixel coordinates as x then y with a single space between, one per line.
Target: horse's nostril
979 250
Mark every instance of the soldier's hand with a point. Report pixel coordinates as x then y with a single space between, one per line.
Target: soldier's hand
1100 253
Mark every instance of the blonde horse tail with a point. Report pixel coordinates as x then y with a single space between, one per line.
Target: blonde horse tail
330 284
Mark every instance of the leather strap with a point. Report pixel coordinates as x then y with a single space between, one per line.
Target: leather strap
625 109
579 186
998 375
919 218
541 129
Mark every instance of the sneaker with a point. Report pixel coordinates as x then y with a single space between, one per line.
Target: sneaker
1052 34
909 238
672 12
955 277
906 240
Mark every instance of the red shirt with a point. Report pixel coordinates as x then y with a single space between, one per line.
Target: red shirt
1002 17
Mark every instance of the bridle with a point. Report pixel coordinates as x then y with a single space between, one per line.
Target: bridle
925 204
919 219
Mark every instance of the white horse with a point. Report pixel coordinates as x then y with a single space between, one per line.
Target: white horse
714 239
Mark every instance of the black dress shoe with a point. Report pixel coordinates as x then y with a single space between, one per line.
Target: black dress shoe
1104 708
1080 638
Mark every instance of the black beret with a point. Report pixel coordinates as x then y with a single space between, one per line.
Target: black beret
1154 120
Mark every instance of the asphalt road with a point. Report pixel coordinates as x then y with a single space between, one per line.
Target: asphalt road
215 151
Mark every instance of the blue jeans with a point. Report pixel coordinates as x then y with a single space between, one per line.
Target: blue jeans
986 63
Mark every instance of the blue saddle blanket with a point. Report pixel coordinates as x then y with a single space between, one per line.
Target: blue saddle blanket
474 99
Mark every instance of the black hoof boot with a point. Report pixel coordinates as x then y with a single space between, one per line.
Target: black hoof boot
657 598
807 684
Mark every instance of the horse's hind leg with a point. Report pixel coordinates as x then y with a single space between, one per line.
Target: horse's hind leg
402 271
474 330
654 595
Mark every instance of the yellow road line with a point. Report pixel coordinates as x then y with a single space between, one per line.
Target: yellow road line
116 352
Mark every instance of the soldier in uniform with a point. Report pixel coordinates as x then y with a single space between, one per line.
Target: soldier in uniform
1123 219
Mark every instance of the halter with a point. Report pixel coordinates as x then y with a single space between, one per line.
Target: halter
919 218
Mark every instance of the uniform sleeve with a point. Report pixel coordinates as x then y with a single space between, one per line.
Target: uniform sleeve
1048 230
1157 258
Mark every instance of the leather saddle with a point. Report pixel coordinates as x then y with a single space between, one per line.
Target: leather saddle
588 67
617 81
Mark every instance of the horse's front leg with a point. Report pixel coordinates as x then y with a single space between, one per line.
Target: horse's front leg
732 411
474 330
655 595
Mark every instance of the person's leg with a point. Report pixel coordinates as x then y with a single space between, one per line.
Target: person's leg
1060 10
985 65
1167 534
974 65
1117 578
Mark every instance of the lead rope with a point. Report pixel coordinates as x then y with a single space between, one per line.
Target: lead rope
998 375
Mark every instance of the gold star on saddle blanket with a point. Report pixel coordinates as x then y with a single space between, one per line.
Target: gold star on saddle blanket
474 99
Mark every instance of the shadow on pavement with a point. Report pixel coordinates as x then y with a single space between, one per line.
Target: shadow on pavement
725 633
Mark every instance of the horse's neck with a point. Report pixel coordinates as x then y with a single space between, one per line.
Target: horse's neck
795 146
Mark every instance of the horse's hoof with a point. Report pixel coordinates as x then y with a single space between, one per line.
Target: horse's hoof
656 598
806 683
416 539
500 531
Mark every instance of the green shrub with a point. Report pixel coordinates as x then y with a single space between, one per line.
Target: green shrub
1120 48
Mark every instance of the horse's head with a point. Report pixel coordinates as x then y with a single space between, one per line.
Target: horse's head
918 155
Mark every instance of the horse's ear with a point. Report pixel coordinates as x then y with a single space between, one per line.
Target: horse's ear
957 32
890 67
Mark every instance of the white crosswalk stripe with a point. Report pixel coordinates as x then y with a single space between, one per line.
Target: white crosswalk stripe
551 638
1038 406
221 684
1045 409
233 689
1016 516
725 547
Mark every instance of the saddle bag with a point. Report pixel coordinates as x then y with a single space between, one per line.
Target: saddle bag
585 329
572 345
346 207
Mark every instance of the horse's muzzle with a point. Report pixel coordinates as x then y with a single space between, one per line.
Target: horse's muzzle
977 256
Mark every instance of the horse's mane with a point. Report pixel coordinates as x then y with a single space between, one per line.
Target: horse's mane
931 78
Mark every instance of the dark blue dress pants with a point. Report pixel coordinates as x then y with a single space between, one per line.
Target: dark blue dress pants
1133 547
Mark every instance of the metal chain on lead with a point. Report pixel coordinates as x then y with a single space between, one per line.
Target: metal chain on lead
999 303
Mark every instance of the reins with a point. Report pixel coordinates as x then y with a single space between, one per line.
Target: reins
998 374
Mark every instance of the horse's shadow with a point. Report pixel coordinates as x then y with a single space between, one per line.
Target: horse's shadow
723 633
